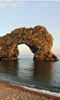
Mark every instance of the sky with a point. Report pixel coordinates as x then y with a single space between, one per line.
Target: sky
16 14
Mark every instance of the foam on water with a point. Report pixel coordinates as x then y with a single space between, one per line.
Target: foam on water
39 90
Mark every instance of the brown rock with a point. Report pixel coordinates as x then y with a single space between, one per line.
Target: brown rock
38 39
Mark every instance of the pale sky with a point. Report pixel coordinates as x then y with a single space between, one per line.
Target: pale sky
16 14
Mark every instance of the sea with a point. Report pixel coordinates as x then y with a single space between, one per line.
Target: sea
42 76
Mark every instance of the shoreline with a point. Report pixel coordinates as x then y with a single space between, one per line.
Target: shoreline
7 89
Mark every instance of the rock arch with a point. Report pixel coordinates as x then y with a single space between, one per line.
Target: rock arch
38 39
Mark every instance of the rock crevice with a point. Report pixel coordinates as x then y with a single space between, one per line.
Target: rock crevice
38 39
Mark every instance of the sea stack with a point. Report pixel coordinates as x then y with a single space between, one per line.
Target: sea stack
38 39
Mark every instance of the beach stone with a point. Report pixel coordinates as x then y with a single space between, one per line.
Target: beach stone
38 39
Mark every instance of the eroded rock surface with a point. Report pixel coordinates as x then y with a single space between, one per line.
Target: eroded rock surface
38 39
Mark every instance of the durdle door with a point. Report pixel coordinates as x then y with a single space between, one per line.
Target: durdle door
38 39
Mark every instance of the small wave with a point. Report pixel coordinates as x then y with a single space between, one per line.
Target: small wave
39 90
30 87
44 91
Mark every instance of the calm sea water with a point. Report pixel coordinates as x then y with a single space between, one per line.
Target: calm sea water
36 74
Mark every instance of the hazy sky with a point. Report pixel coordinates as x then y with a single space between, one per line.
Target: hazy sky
15 14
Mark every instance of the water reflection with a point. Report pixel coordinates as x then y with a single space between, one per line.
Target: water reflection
39 70
43 71
31 73
10 67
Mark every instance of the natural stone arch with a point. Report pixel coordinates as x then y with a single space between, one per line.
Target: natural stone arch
38 39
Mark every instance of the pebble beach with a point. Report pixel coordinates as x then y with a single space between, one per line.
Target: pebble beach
13 92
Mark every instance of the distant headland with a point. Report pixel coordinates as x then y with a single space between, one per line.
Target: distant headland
38 39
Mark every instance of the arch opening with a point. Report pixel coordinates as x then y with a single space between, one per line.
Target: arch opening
24 50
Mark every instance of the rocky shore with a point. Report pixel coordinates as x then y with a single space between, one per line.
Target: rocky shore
13 92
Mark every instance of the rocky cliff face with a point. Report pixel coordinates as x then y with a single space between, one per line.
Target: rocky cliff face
38 39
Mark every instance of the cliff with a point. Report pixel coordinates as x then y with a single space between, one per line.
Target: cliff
38 39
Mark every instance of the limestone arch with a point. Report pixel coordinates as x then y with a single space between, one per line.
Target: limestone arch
38 39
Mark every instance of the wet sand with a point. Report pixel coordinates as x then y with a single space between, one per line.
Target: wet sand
13 92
